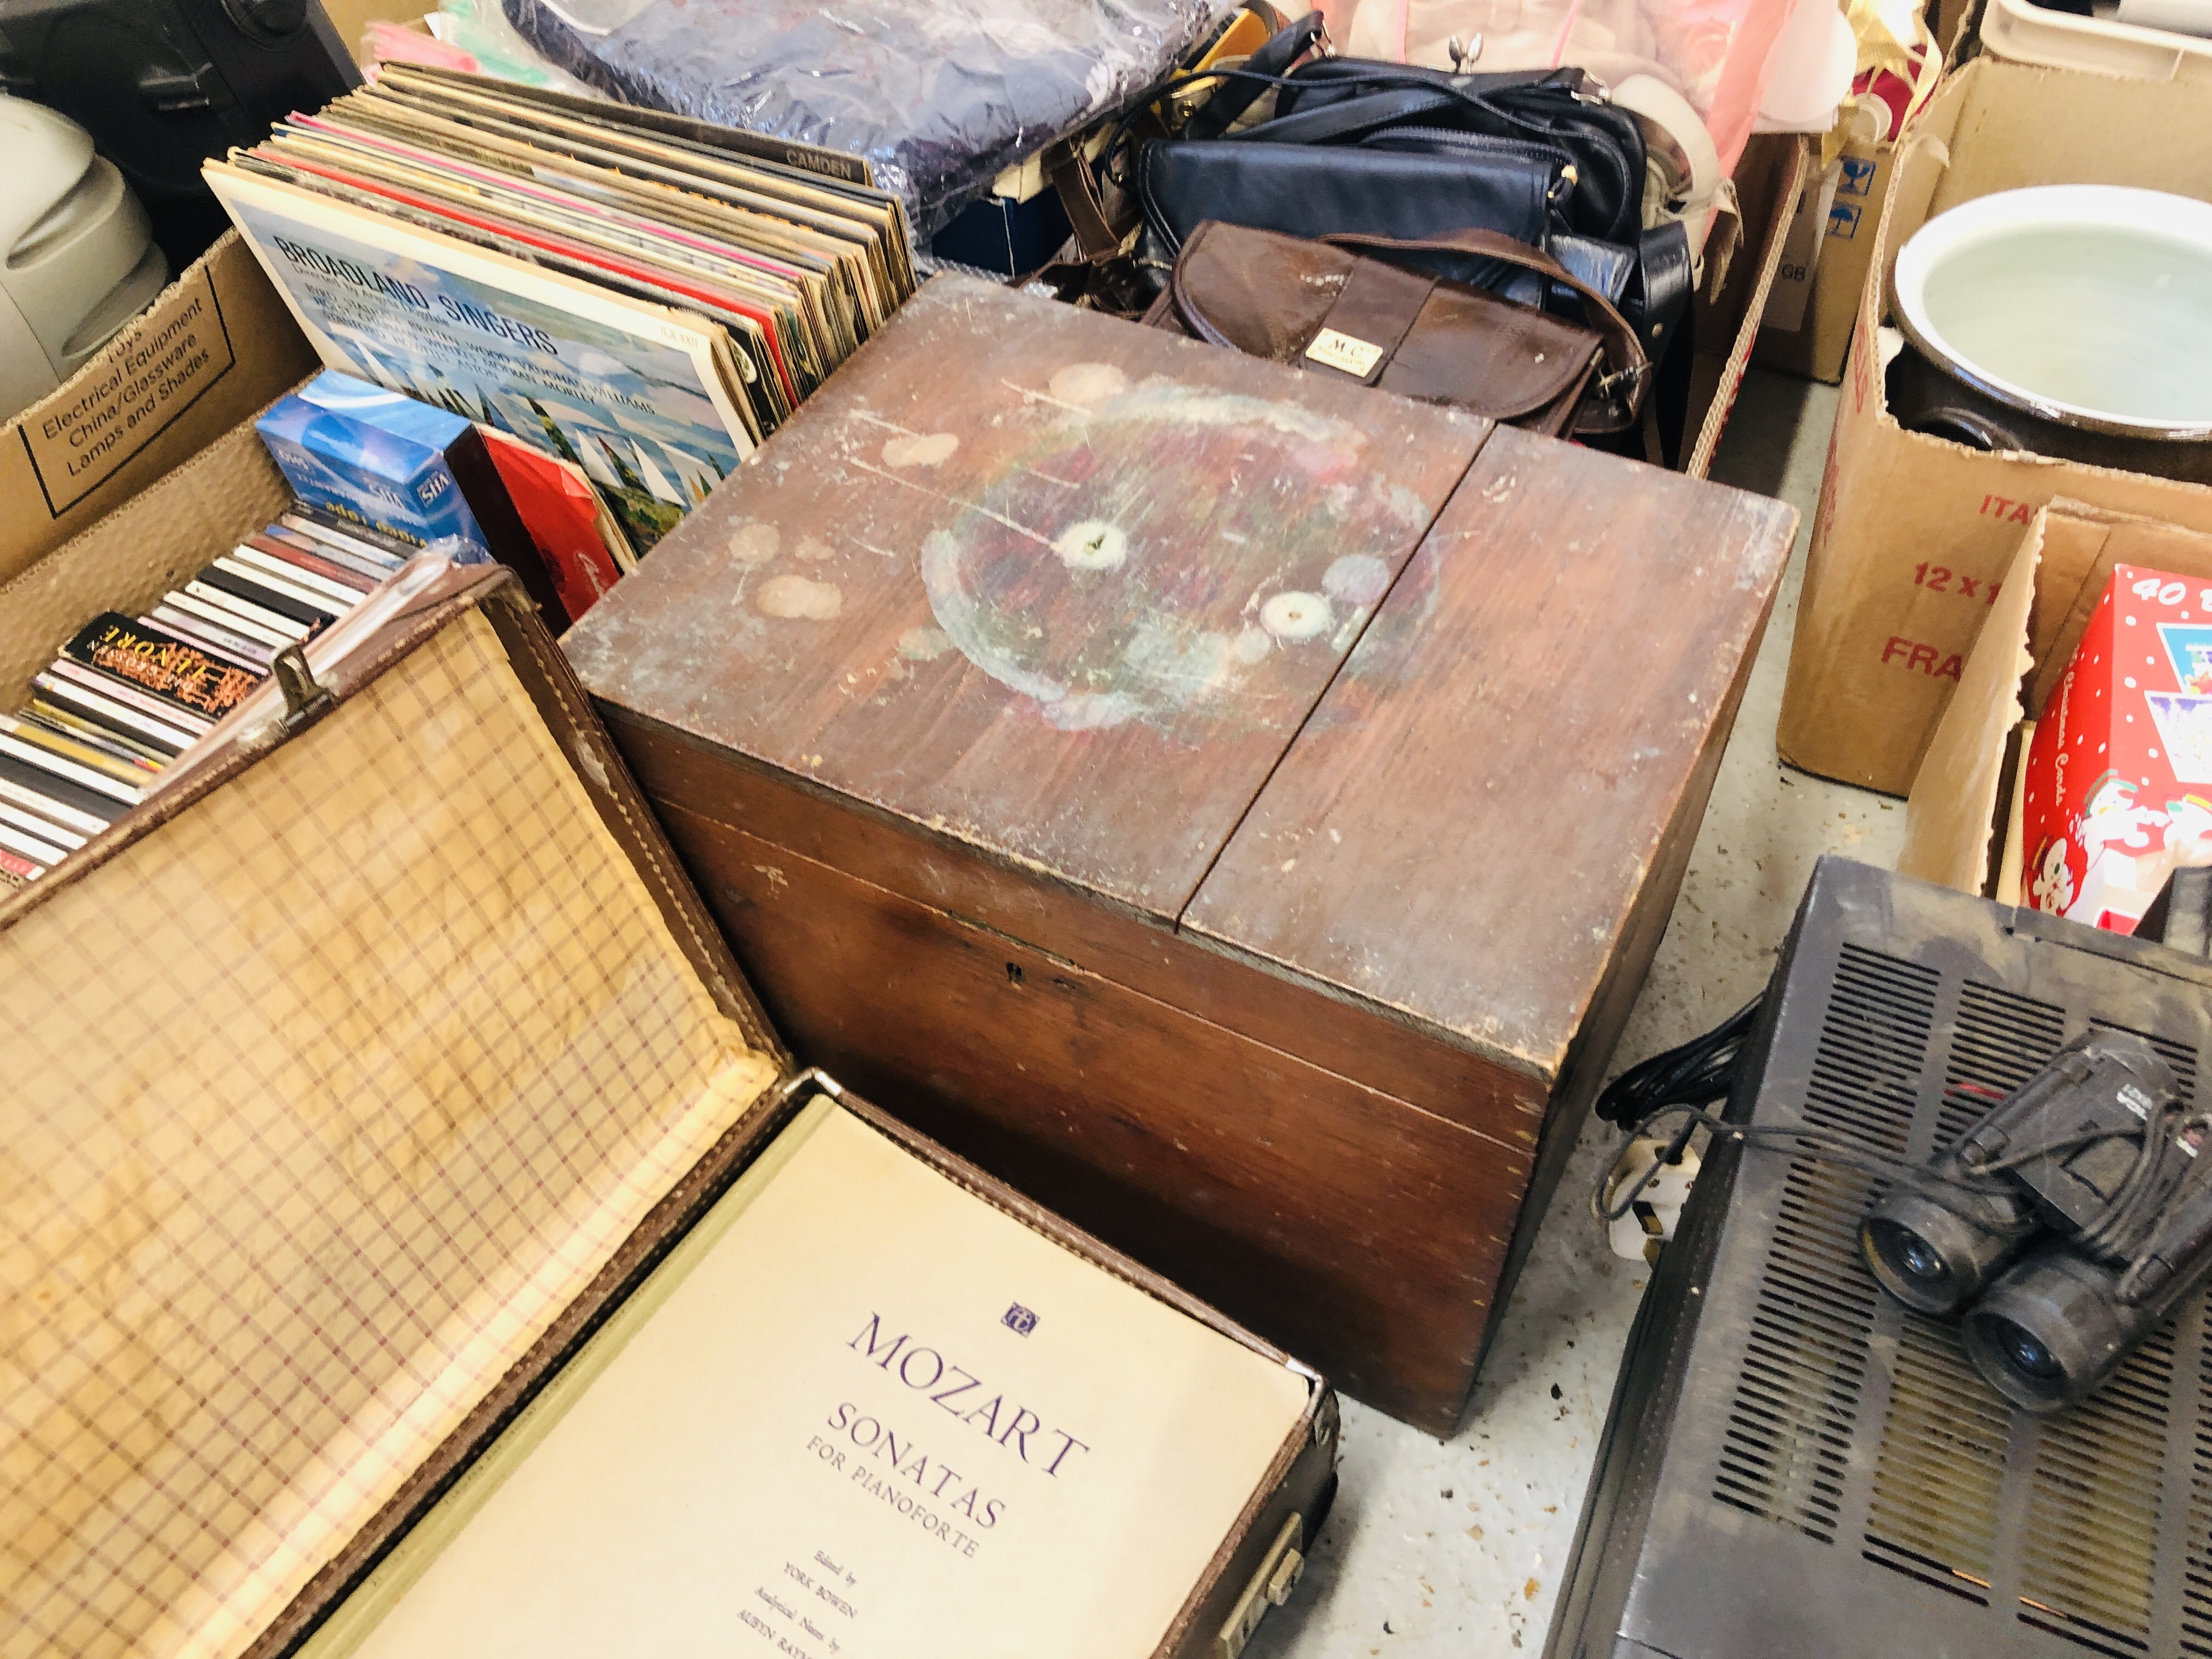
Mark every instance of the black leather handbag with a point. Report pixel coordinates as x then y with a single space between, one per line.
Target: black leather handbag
1356 146
1403 106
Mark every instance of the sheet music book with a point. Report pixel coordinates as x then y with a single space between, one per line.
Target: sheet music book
859 1413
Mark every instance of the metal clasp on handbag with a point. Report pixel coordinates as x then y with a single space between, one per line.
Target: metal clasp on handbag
1622 387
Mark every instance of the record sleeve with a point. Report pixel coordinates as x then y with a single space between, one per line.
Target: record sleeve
627 390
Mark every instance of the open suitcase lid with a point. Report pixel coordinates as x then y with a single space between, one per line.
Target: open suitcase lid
304 1228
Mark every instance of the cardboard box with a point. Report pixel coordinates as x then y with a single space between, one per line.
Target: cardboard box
1809 319
215 348
2109 811
1915 534
1801 256
1733 298
212 351
1967 793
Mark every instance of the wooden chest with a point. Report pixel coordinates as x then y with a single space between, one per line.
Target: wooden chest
1235 807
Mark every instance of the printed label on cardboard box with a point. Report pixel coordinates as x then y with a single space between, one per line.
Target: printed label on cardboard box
1801 256
1844 221
1858 171
177 352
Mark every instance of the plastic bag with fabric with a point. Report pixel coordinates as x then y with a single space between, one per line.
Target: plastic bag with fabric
939 96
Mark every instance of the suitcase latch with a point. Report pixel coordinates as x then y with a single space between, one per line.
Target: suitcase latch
1280 1569
306 702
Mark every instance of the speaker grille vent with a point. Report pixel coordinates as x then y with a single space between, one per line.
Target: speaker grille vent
2091 1544
1940 1468
1797 1401
1873 1044
1999 1042
2196 1585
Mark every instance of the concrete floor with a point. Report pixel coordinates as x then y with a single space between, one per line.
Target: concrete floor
1457 1548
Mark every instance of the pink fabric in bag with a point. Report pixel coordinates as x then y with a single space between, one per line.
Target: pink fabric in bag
1714 53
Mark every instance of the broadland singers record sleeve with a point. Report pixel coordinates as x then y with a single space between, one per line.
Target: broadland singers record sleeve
860 1412
626 390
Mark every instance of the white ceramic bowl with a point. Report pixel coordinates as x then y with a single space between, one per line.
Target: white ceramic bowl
2090 305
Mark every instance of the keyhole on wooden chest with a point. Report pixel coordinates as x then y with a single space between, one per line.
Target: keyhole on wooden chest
1014 975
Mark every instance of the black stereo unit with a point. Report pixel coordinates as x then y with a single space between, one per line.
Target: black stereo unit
1794 1464
162 85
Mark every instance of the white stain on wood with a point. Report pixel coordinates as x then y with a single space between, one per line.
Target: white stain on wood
924 644
920 449
799 598
1356 579
1295 616
1086 384
1092 545
754 542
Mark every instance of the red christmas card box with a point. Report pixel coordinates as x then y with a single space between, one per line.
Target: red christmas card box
2119 775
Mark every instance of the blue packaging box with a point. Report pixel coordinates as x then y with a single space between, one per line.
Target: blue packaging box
376 456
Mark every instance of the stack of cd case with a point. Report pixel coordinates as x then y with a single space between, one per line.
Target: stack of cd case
128 697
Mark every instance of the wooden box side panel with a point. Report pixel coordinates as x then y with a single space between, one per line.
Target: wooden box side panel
1354 1230
1182 969
1591 1056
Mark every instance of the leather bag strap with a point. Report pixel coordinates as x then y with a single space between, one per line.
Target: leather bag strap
1490 100
1078 189
1628 370
1666 273
1350 118
1240 88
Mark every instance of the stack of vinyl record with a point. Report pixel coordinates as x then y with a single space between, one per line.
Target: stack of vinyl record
644 296
129 698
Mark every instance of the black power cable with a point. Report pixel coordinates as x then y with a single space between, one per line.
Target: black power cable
1699 1072
1804 1142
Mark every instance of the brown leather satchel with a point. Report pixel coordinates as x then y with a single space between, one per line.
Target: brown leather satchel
1400 321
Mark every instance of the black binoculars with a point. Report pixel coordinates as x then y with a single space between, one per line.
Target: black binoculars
2063 1226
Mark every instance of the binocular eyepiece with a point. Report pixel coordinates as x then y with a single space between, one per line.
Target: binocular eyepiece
2063 1226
